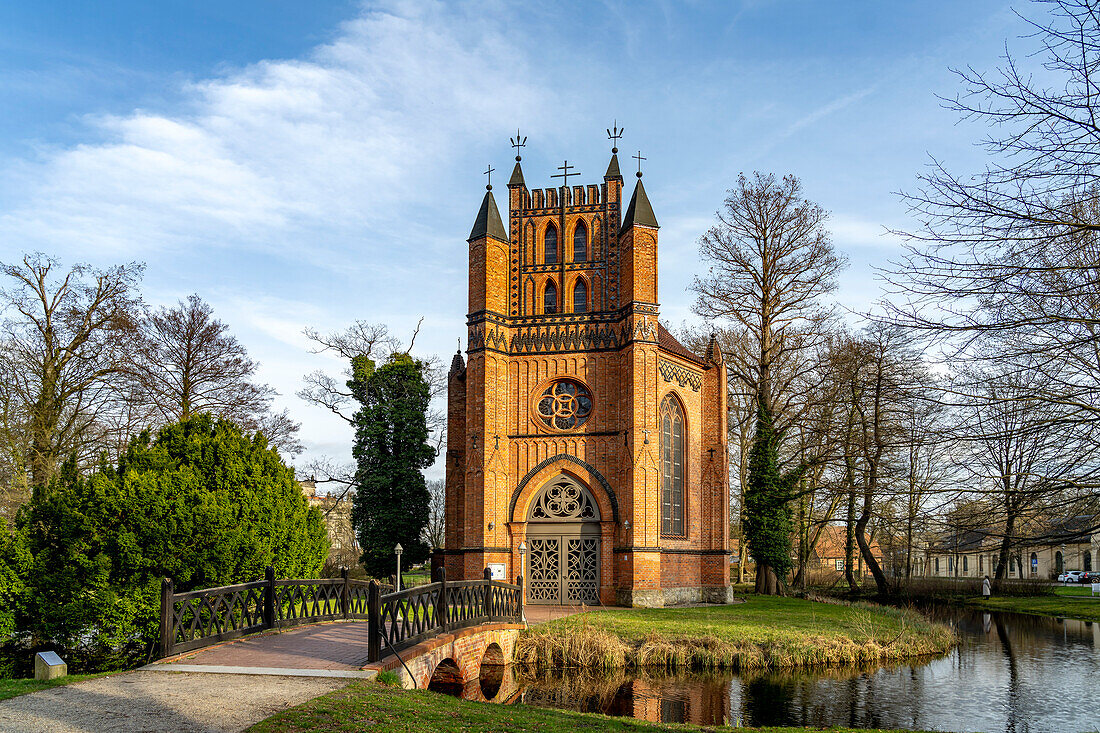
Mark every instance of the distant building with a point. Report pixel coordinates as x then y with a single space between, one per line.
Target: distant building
1044 553
336 511
829 554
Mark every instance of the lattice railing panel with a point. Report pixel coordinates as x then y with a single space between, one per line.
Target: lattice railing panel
216 612
298 601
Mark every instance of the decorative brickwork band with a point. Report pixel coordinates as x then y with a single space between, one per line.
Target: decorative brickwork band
681 375
572 459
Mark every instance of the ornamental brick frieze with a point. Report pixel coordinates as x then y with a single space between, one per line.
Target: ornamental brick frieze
566 337
672 372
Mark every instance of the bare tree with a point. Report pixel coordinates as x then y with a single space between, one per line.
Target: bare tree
770 261
435 532
65 336
189 363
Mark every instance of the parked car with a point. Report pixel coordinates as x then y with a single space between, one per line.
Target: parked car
1092 577
1071 576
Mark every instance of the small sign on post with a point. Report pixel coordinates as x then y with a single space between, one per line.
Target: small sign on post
48 666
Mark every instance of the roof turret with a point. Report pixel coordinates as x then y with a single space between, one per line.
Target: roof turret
488 223
640 211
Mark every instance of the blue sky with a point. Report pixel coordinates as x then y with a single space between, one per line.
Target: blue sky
307 164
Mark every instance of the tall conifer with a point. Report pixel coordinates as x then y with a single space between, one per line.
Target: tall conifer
391 448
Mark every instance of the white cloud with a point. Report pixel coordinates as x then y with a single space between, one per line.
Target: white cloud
282 156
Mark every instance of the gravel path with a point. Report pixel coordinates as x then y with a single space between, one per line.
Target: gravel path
151 702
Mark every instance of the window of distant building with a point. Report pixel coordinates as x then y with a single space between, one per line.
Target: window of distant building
839 565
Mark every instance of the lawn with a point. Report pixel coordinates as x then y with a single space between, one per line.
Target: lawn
13 688
763 632
1067 602
368 705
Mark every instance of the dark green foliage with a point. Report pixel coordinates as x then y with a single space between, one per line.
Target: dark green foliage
391 447
767 512
203 504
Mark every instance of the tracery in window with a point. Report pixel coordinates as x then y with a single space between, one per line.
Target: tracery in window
565 405
672 467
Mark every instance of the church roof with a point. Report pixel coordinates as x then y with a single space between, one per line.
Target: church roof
488 222
613 168
517 176
639 211
668 342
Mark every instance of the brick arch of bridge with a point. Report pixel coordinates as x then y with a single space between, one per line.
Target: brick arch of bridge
466 647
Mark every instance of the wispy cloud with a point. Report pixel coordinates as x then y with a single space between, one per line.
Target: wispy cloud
825 110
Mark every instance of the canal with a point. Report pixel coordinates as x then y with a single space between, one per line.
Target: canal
1010 672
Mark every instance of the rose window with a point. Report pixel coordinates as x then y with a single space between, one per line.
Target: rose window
565 405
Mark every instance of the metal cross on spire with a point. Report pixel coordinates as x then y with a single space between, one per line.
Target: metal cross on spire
489 172
639 158
517 143
614 135
564 175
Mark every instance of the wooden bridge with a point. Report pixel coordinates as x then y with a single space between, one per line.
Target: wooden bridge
444 634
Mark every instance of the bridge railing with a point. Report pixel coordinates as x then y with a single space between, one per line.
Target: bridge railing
196 619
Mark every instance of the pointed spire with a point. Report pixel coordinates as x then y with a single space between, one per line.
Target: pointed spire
488 222
639 212
713 354
613 168
457 364
517 176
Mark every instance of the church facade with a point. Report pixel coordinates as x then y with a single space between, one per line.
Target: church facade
586 447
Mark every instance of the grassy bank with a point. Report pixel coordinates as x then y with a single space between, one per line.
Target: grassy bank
13 688
1066 602
764 632
368 705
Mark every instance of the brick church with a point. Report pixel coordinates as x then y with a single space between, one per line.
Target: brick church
586 447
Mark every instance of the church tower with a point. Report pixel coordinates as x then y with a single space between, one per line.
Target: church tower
586 447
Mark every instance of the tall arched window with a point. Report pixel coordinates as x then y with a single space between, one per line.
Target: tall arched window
965 564
1034 564
550 298
1058 562
580 297
580 243
672 468
550 245
1086 561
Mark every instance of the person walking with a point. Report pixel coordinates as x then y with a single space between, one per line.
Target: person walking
986 587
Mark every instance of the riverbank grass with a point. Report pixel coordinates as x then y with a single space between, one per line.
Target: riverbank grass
764 632
1067 602
10 688
370 706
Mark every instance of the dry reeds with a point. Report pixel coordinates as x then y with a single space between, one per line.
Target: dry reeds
878 635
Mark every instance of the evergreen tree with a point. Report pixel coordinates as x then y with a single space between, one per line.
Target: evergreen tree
202 503
767 511
391 503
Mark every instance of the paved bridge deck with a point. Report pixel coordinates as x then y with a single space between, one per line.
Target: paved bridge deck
338 648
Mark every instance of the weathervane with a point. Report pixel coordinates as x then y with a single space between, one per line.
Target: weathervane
517 143
564 175
489 173
614 135
639 158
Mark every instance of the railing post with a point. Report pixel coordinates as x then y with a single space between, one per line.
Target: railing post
519 582
487 599
441 602
269 597
374 622
345 594
167 611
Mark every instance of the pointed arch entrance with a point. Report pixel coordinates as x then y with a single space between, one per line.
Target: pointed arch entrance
563 541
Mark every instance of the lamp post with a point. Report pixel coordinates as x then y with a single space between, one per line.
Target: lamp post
523 585
397 551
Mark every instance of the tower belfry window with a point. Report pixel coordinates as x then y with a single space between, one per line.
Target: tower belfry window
550 298
580 243
550 245
580 297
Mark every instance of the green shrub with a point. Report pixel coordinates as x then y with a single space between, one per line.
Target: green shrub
201 503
